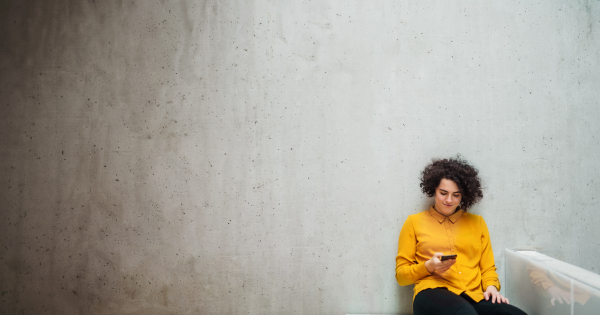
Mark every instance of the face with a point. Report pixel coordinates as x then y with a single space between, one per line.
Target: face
447 197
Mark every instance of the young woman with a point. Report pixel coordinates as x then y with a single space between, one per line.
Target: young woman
468 283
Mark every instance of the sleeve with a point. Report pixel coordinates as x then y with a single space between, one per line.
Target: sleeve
539 278
408 270
486 263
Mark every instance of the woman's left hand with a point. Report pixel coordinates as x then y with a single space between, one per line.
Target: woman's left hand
492 292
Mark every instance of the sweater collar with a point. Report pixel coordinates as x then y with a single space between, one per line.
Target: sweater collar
453 217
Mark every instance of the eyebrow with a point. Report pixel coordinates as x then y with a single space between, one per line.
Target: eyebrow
456 192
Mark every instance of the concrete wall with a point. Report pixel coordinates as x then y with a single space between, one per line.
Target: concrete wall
260 157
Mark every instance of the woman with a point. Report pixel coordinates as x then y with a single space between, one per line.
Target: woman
467 284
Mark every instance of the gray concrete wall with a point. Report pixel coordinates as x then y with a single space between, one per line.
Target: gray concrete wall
260 157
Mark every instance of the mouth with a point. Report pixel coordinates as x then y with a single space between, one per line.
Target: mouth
447 205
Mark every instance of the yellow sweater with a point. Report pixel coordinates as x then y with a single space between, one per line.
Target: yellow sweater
463 234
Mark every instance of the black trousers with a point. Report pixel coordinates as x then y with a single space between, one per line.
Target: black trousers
440 301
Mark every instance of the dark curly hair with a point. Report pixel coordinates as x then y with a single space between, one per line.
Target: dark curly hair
457 170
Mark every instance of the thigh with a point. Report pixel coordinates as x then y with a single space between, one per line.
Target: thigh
440 301
489 308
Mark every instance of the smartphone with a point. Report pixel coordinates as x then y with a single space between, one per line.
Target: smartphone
446 257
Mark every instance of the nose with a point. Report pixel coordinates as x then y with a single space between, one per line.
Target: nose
449 198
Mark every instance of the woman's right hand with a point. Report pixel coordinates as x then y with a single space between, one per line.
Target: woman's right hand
435 265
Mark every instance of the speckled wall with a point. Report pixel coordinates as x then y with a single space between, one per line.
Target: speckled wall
260 157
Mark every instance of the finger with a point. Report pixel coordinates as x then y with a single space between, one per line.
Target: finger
445 266
507 301
486 296
451 262
442 270
552 301
560 300
494 297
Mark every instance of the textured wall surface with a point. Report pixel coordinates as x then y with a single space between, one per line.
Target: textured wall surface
260 157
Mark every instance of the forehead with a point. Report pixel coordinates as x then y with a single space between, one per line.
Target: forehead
448 185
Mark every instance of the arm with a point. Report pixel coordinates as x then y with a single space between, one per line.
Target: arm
489 277
408 270
540 280
486 263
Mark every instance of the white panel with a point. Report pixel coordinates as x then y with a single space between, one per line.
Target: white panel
539 284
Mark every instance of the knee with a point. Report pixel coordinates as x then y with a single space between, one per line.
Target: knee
464 309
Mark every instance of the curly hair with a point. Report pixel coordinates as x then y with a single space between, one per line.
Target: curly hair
457 170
